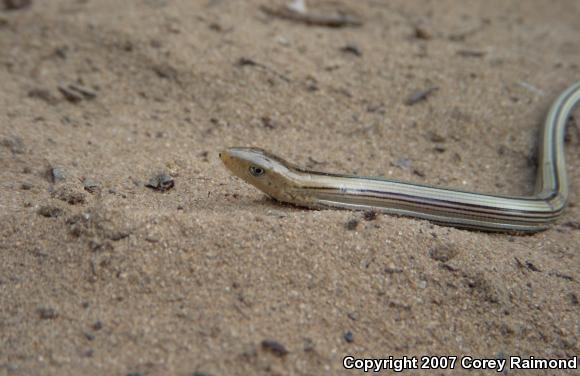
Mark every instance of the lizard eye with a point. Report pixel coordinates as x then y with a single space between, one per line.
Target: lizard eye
256 171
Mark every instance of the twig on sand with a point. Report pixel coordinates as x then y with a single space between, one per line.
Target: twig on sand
291 14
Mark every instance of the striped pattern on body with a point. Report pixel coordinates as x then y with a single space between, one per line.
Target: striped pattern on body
488 212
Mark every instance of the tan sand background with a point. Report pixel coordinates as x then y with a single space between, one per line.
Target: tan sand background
128 280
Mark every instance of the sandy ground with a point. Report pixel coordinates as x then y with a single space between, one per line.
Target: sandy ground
100 274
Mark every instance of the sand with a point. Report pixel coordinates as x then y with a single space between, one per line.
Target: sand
103 275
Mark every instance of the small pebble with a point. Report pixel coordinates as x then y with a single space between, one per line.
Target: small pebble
420 95
352 49
421 33
419 173
274 347
90 185
46 313
166 72
348 336
50 211
161 182
268 123
244 61
436 137
56 174
352 224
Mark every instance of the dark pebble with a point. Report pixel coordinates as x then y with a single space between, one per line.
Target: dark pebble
312 85
268 123
244 61
370 215
419 173
436 137
166 72
90 185
421 33
56 174
89 336
50 211
26 186
46 313
274 347
215 27
98 325
352 224
352 49
161 182
348 336
61 52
